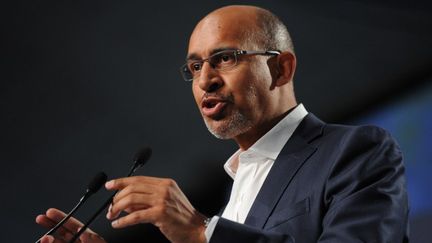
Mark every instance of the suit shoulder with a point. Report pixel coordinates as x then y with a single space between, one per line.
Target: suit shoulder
362 133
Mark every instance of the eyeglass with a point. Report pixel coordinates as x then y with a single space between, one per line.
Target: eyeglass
222 60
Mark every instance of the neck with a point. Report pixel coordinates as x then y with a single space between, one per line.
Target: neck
247 139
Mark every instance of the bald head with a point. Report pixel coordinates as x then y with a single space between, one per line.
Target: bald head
233 100
255 27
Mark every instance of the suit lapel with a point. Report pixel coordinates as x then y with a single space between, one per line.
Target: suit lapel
294 154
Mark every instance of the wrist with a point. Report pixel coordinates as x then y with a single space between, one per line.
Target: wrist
204 222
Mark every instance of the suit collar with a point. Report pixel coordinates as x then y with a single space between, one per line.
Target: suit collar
271 144
293 155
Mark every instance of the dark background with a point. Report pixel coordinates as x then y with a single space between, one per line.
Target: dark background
84 84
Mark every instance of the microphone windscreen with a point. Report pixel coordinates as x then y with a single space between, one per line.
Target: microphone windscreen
142 156
97 182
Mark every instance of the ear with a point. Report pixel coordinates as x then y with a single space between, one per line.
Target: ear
286 64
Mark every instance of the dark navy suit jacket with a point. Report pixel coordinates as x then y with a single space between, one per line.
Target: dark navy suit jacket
330 183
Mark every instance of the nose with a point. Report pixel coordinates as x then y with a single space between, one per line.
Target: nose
209 79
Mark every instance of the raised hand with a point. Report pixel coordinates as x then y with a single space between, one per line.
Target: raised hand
159 202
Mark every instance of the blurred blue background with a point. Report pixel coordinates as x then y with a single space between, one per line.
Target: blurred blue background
409 120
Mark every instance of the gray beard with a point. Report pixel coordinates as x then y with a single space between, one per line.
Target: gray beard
232 126
236 124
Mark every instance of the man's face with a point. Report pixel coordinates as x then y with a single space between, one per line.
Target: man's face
232 102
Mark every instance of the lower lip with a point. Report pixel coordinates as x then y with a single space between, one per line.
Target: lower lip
215 111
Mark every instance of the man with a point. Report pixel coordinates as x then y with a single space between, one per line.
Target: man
296 179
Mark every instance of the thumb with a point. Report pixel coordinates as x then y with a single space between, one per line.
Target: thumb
47 239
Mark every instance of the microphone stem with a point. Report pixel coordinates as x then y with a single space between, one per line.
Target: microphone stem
107 202
59 224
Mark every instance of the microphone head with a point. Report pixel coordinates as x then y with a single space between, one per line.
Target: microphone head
142 156
97 182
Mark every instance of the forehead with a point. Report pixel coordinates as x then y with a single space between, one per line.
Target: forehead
219 32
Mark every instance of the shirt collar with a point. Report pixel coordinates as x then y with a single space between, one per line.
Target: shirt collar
274 140
271 144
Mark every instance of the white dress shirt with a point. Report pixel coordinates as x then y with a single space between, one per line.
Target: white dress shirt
253 167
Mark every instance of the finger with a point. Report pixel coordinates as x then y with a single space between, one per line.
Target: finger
121 183
69 228
88 230
136 188
46 222
90 236
109 212
47 239
56 215
52 217
57 238
137 217
63 236
111 216
130 202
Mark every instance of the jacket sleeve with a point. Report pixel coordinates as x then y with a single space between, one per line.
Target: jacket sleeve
365 190
229 231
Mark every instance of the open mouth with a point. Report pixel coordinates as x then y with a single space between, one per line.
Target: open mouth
210 104
213 107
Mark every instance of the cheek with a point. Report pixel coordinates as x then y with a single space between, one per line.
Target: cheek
250 82
253 90
245 94
197 93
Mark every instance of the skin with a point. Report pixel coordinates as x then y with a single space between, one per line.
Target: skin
269 78
257 85
65 233
159 202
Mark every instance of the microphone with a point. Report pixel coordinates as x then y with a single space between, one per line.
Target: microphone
140 158
94 186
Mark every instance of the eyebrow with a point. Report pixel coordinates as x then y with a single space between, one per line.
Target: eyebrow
194 56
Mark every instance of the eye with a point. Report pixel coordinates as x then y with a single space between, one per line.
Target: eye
226 57
195 66
223 60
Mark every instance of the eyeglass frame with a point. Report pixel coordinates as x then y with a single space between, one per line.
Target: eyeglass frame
235 52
